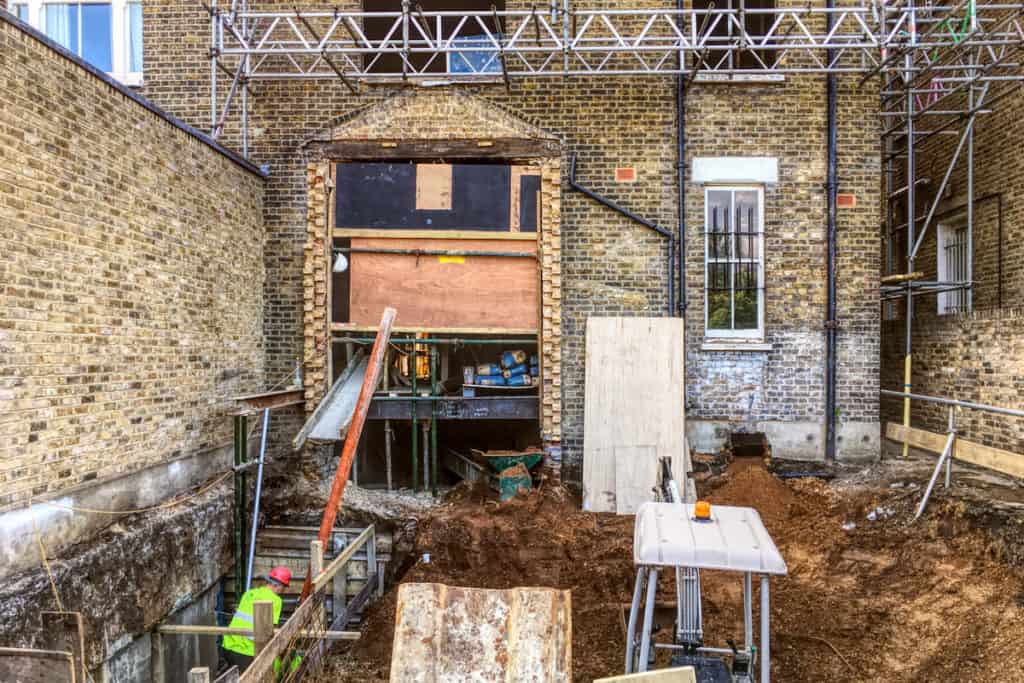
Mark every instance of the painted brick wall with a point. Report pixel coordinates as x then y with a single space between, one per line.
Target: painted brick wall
131 267
611 266
978 356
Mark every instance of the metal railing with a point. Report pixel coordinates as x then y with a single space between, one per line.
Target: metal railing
946 456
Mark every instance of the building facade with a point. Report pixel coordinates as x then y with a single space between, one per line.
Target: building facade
756 143
966 343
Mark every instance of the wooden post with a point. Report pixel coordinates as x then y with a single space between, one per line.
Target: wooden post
316 568
199 674
371 562
263 623
156 657
355 431
339 585
64 630
316 558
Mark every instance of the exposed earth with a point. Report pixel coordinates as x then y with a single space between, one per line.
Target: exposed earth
879 599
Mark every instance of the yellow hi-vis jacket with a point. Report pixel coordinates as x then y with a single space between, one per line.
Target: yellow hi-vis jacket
245 645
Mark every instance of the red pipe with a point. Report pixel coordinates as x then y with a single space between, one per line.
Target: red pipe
355 430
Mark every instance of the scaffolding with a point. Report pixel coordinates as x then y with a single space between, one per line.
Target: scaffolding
939 66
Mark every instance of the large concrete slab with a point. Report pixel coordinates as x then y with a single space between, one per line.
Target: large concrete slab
455 635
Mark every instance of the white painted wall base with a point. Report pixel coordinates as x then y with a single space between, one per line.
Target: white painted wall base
855 441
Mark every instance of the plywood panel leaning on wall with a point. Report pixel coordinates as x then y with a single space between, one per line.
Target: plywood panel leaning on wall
634 411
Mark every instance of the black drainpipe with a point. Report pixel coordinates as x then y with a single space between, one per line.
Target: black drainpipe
639 219
831 323
681 175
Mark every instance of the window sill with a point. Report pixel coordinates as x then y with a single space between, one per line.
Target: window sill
132 80
739 79
735 345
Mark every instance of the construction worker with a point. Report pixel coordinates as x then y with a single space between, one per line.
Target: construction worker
240 650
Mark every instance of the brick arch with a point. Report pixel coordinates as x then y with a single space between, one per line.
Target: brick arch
430 114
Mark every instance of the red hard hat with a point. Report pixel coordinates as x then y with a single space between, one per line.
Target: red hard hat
282 575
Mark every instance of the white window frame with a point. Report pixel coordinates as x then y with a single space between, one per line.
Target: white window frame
752 335
948 301
119 27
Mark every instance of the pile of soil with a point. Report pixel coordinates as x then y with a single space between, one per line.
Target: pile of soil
877 600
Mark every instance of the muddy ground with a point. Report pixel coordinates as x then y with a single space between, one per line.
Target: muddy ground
882 599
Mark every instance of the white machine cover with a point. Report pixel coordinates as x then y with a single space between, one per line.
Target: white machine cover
733 540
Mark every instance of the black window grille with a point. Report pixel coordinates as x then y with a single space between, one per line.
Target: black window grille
734 261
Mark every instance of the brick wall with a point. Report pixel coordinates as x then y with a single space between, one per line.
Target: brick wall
976 356
131 263
612 266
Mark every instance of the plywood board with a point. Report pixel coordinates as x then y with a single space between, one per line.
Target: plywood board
443 292
682 674
433 187
967 451
634 411
634 485
451 634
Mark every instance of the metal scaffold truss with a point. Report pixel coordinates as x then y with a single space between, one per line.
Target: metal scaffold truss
940 67
931 53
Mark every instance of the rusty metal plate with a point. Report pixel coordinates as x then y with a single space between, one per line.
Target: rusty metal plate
447 634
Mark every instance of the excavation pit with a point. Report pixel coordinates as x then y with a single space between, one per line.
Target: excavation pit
868 596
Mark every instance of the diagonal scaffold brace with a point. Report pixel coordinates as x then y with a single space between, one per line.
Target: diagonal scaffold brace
355 431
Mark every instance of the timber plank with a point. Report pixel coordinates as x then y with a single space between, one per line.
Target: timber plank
967 451
439 291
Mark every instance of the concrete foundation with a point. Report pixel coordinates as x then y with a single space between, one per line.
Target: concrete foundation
59 527
855 441
126 581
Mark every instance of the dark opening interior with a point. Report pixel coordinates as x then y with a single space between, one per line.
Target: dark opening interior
474 430
724 32
376 29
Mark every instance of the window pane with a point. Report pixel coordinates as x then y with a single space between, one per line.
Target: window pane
747 222
62 24
719 314
745 295
746 309
134 37
473 61
21 11
718 224
97 36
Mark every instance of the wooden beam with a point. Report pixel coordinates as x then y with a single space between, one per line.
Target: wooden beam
199 674
515 332
342 559
434 234
200 630
30 652
64 629
447 149
263 623
157 657
963 450
229 676
272 399
902 277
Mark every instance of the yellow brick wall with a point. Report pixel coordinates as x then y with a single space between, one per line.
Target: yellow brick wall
131 279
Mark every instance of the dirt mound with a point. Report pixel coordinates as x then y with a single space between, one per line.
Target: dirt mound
866 599
748 484
541 538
